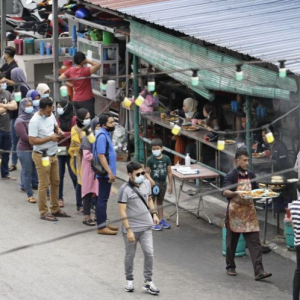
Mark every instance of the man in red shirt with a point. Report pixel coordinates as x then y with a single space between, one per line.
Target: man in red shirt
83 96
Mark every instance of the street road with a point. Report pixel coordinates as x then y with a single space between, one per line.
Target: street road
188 259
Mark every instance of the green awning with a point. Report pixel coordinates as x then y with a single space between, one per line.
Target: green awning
167 52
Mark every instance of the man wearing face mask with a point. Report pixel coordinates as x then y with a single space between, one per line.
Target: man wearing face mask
43 133
105 151
10 63
137 210
7 104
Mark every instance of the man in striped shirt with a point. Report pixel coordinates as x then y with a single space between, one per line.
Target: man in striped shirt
295 214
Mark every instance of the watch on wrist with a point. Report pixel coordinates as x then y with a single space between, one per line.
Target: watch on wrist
127 228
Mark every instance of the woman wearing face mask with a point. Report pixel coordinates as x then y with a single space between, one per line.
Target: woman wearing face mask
65 120
17 77
189 112
29 177
90 186
77 134
43 89
35 98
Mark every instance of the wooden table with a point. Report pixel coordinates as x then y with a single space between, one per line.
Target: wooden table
203 174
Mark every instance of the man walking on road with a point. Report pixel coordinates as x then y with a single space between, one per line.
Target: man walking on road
241 216
43 133
136 208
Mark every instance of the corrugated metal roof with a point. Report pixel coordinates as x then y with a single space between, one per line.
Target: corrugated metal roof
264 29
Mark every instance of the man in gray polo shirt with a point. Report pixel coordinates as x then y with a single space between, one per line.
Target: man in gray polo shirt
43 133
7 103
135 206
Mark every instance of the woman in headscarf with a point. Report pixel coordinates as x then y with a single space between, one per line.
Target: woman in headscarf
35 97
189 112
43 89
17 78
66 120
29 177
77 135
89 187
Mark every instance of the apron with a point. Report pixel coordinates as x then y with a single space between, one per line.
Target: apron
242 218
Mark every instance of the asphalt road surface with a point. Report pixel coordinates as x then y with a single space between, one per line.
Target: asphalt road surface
188 259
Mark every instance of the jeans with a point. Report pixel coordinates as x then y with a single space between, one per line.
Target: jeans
34 181
62 161
28 172
5 144
14 142
146 241
87 203
296 285
103 195
87 104
48 176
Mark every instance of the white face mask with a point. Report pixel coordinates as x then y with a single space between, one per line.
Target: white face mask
189 115
86 122
60 111
140 179
3 86
156 152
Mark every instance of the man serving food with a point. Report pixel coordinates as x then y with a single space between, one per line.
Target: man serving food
241 216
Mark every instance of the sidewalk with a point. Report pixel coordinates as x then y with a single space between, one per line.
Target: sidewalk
215 207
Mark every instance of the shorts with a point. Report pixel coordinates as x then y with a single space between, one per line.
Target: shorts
162 191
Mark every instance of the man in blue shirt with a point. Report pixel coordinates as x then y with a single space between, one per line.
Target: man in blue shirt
108 159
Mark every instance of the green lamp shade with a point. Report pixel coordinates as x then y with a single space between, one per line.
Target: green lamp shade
18 96
63 91
239 76
151 86
195 81
282 72
102 86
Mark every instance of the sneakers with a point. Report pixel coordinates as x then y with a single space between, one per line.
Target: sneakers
129 286
157 227
164 224
150 288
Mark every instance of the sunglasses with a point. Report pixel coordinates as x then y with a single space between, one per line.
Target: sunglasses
138 174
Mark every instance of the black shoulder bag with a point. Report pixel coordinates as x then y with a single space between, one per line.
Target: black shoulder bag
96 165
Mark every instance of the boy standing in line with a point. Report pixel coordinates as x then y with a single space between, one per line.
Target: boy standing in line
158 167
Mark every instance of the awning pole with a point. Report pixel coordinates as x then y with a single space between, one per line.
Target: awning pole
248 127
3 24
136 109
55 51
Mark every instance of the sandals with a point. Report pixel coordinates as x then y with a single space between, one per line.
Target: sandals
12 168
262 276
80 210
231 272
48 217
61 203
89 222
31 200
61 214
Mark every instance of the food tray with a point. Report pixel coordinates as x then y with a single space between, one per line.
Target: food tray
190 127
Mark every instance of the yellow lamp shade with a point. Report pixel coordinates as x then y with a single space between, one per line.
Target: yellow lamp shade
91 138
139 100
126 103
221 145
270 137
45 161
176 130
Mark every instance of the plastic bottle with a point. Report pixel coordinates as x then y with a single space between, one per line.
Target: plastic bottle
155 100
187 160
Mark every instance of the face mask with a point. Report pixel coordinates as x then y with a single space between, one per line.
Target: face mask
3 86
60 111
36 102
45 96
139 180
86 122
110 129
28 110
189 115
156 152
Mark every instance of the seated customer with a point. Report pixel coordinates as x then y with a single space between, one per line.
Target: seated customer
189 112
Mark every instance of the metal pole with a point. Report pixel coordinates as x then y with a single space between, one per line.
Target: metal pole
248 133
136 109
3 24
55 50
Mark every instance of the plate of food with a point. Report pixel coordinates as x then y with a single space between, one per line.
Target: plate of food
190 127
172 118
257 155
255 194
230 142
270 194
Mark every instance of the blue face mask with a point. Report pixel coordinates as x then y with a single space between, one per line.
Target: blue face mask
45 96
156 153
3 86
28 110
35 102
140 179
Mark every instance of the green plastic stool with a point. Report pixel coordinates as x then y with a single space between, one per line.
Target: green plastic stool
241 246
